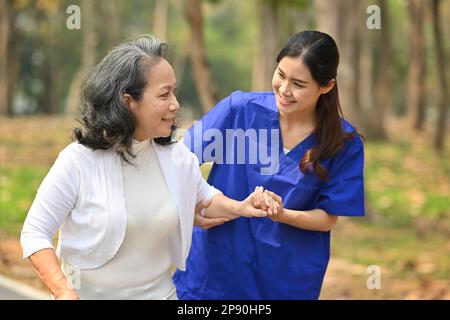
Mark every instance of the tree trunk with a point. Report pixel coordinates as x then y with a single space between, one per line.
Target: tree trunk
443 81
206 88
264 63
55 64
13 58
14 64
87 55
366 78
340 21
376 128
5 13
416 88
180 51
327 17
55 83
114 17
160 19
357 36
350 26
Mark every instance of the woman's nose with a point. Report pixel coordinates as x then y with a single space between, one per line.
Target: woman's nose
174 106
284 88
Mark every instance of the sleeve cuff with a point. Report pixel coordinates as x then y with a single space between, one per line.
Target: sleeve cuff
34 245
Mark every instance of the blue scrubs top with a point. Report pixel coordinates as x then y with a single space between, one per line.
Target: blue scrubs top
257 258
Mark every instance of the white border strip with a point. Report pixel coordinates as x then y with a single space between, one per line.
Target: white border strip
23 289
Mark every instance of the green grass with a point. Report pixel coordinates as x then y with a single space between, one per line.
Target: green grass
406 180
437 206
18 188
399 251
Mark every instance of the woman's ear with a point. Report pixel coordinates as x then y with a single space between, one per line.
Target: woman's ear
128 100
330 85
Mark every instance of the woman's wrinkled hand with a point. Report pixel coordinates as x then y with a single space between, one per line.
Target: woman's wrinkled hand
261 203
268 201
247 209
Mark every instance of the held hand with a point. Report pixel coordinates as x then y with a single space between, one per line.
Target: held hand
207 223
203 222
277 205
249 209
267 200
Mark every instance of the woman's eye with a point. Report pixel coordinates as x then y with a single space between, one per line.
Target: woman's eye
298 85
165 95
281 75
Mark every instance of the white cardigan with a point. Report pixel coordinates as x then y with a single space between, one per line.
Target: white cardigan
83 195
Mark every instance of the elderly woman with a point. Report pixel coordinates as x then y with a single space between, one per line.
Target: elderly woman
123 195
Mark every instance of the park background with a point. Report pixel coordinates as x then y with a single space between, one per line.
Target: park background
393 82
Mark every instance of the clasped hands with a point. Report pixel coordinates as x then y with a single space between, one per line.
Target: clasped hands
266 203
266 200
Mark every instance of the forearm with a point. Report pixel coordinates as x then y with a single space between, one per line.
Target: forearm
313 220
223 207
46 265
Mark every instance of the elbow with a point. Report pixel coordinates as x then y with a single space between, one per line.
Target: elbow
326 228
329 225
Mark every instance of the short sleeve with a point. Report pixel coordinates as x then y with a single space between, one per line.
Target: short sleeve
343 194
218 119
54 201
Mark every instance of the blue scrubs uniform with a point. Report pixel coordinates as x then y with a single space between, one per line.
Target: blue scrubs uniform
257 258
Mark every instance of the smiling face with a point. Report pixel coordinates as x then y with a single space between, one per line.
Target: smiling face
155 111
295 89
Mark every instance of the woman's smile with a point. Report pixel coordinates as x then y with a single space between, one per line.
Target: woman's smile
286 101
168 120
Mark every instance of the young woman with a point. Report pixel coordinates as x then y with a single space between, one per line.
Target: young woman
123 195
318 177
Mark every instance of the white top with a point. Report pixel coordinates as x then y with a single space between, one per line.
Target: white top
83 194
141 267
286 151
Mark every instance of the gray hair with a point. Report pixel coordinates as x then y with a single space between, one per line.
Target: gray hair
106 120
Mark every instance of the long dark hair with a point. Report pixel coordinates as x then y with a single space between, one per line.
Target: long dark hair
106 120
320 54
